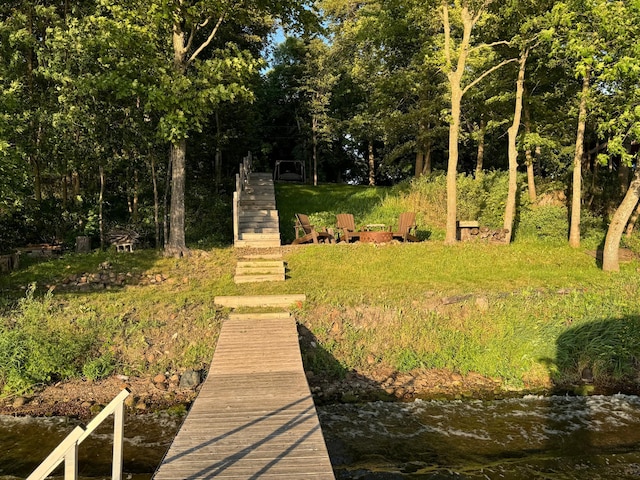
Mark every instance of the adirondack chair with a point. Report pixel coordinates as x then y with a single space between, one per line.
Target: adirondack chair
306 233
347 225
406 223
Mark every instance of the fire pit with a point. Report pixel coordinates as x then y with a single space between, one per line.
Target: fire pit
376 237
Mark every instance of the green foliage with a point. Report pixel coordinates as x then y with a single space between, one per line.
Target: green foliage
217 230
100 367
39 345
544 222
196 354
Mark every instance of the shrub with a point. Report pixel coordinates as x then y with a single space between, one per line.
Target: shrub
100 367
38 345
548 221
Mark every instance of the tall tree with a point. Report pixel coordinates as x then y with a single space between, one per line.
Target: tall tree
200 60
622 123
456 53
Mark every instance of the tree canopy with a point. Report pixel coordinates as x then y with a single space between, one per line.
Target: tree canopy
111 110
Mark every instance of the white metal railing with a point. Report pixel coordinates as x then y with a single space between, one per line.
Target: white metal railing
242 179
67 451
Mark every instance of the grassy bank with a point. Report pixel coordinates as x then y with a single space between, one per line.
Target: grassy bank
530 314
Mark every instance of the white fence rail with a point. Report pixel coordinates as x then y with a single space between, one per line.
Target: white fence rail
67 451
242 178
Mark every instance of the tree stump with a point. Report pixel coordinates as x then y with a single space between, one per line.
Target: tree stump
83 244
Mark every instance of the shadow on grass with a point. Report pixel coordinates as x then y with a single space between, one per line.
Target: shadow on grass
602 356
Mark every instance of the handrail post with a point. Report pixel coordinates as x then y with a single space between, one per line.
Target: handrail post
71 463
118 442
236 217
58 455
67 450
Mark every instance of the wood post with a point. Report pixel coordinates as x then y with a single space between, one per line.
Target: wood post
83 244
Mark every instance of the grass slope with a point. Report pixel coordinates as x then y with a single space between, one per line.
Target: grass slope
529 314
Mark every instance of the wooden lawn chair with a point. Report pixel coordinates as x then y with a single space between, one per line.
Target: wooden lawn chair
306 233
406 223
347 225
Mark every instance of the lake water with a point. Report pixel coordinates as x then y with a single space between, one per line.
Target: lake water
529 438
534 437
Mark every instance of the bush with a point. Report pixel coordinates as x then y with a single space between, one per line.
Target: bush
100 367
37 347
548 221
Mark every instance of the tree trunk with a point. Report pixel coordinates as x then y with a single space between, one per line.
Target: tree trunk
419 163
624 175
217 166
100 205
452 166
480 155
136 187
455 78
574 231
372 165
65 191
610 261
75 181
165 201
632 221
156 201
528 157
177 247
37 178
510 209
314 143
426 169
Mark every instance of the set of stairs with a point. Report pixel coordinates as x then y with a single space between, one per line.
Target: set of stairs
258 228
258 222
260 268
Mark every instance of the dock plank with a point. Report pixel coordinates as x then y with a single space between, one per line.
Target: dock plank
254 416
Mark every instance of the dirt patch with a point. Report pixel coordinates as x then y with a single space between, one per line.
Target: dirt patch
83 399
624 255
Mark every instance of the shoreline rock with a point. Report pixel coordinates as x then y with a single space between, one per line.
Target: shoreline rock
84 399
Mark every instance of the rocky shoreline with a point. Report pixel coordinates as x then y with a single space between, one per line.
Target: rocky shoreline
83 399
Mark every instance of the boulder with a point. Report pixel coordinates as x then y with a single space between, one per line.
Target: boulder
190 379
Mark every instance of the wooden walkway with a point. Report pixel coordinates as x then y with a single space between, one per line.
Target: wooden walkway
254 416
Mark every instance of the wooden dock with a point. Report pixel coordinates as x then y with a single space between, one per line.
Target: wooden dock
254 416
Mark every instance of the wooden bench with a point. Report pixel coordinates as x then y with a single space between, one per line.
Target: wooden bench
467 229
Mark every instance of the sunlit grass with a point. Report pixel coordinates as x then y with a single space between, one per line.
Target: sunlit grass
400 306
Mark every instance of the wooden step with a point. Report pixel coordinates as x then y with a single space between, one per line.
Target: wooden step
271 213
261 206
256 197
259 316
257 243
251 271
258 230
259 300
245 226
264 256
259 278
260 236
263 264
